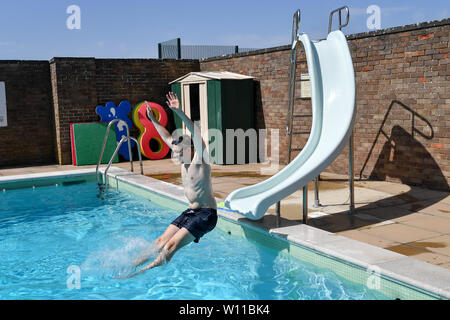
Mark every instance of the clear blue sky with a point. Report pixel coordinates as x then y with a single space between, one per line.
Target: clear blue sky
36 29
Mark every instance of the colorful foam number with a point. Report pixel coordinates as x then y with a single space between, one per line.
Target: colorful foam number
110 112
152 145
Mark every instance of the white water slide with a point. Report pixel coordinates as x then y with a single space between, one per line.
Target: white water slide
332 79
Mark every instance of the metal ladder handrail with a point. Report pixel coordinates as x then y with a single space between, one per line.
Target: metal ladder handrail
290 115
292 66
291 93
350 143
330 21
129 147
114 155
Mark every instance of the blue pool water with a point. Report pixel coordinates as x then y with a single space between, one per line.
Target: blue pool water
51 237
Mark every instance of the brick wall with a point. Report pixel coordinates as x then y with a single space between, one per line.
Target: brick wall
80 84
74 98
43 98
29 136
402 124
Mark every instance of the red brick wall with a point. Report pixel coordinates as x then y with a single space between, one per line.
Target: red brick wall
79 85
74 98
402 124
29 136
44 98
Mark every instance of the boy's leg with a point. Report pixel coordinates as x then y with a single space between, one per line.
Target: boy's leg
178 240
160 243
166 236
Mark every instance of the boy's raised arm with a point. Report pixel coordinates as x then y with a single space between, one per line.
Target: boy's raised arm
174 104
165 135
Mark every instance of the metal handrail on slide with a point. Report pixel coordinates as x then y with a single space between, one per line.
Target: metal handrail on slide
339 11
350 143
128 139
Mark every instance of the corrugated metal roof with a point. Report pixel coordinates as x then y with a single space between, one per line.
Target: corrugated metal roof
210 75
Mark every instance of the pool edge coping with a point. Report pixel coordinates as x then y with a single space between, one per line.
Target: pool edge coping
46 175
420 276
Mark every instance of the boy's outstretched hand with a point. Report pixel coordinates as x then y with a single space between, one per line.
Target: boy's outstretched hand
172 101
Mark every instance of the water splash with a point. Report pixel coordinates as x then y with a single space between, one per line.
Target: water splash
119 259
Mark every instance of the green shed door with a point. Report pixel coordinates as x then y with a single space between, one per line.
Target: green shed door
214 105
213 90
237 104
237 114
176 88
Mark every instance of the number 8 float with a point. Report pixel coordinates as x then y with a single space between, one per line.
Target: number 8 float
151 143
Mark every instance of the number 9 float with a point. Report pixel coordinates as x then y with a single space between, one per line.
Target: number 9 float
151 144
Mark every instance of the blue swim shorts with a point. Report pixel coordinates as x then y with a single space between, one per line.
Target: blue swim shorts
197 221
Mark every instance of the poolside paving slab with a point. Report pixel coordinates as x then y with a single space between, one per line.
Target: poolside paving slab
363 237
400 233
432 223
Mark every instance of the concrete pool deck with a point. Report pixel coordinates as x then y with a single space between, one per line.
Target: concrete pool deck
412 221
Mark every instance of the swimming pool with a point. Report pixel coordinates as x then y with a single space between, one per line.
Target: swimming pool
51 234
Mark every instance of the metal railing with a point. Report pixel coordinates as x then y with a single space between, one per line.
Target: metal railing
291 116
340 26
114 155
350 143
173 49
126 138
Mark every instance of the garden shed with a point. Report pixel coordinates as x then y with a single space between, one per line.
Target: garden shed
219 100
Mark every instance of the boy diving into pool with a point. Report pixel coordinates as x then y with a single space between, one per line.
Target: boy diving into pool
201 217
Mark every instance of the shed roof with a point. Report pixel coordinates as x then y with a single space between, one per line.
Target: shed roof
210 75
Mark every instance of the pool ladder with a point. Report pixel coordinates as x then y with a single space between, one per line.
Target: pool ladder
126 138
